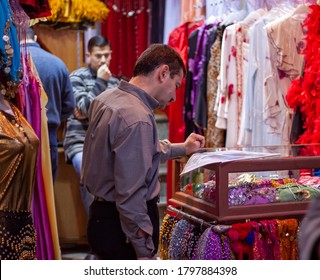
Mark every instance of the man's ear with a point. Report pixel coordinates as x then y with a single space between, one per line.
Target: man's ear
164 71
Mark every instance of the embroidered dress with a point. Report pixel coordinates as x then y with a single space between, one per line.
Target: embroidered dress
259 59
286 42
215 137
18 156
227 97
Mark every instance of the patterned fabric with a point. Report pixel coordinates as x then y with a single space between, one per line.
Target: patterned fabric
18 157
18 237
212 246
166 229
215 137
178 242
287 62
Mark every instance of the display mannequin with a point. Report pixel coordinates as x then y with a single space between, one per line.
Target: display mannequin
18 154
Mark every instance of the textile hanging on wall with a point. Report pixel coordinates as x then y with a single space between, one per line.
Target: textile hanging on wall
127 28
18 78
36 8
157 21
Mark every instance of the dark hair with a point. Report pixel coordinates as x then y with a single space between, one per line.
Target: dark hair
97 41
156 55
30 33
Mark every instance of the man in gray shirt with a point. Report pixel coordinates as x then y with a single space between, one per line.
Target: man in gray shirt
122 153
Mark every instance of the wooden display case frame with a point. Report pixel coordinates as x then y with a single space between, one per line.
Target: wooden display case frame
221 212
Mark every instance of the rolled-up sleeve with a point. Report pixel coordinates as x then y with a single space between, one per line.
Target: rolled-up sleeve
171 151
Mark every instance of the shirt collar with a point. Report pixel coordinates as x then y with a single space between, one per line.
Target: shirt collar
146 98
32 44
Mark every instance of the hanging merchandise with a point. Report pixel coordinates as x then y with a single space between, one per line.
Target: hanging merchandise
186 237
76 14
35 9
303 92
33 214
9 52
127 28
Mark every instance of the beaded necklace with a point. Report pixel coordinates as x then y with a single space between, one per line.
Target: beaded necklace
213 250
200 249
209 246
176 247
287 231
167 225
11 124
227 254
192 242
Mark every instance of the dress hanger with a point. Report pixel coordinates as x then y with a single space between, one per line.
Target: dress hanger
300 11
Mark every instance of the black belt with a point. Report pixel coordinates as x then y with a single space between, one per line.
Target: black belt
100 199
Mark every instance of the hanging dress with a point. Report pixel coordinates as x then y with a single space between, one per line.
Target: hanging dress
18 156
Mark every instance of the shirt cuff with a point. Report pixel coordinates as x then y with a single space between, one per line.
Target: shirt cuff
177 150
143 247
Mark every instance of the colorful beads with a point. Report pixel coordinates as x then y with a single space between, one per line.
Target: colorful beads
265 240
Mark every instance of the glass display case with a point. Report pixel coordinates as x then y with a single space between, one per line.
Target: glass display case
227 185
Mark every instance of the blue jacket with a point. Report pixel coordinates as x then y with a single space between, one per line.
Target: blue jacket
54 76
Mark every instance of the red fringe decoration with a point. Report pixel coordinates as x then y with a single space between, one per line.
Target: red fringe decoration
305 91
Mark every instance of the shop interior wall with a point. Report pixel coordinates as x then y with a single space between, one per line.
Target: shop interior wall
65 43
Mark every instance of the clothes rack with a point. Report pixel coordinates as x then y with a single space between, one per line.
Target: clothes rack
216 228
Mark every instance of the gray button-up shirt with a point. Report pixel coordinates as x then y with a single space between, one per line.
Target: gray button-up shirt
121 157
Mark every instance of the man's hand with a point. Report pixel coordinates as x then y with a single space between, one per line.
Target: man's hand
104 72
78 115
193 143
